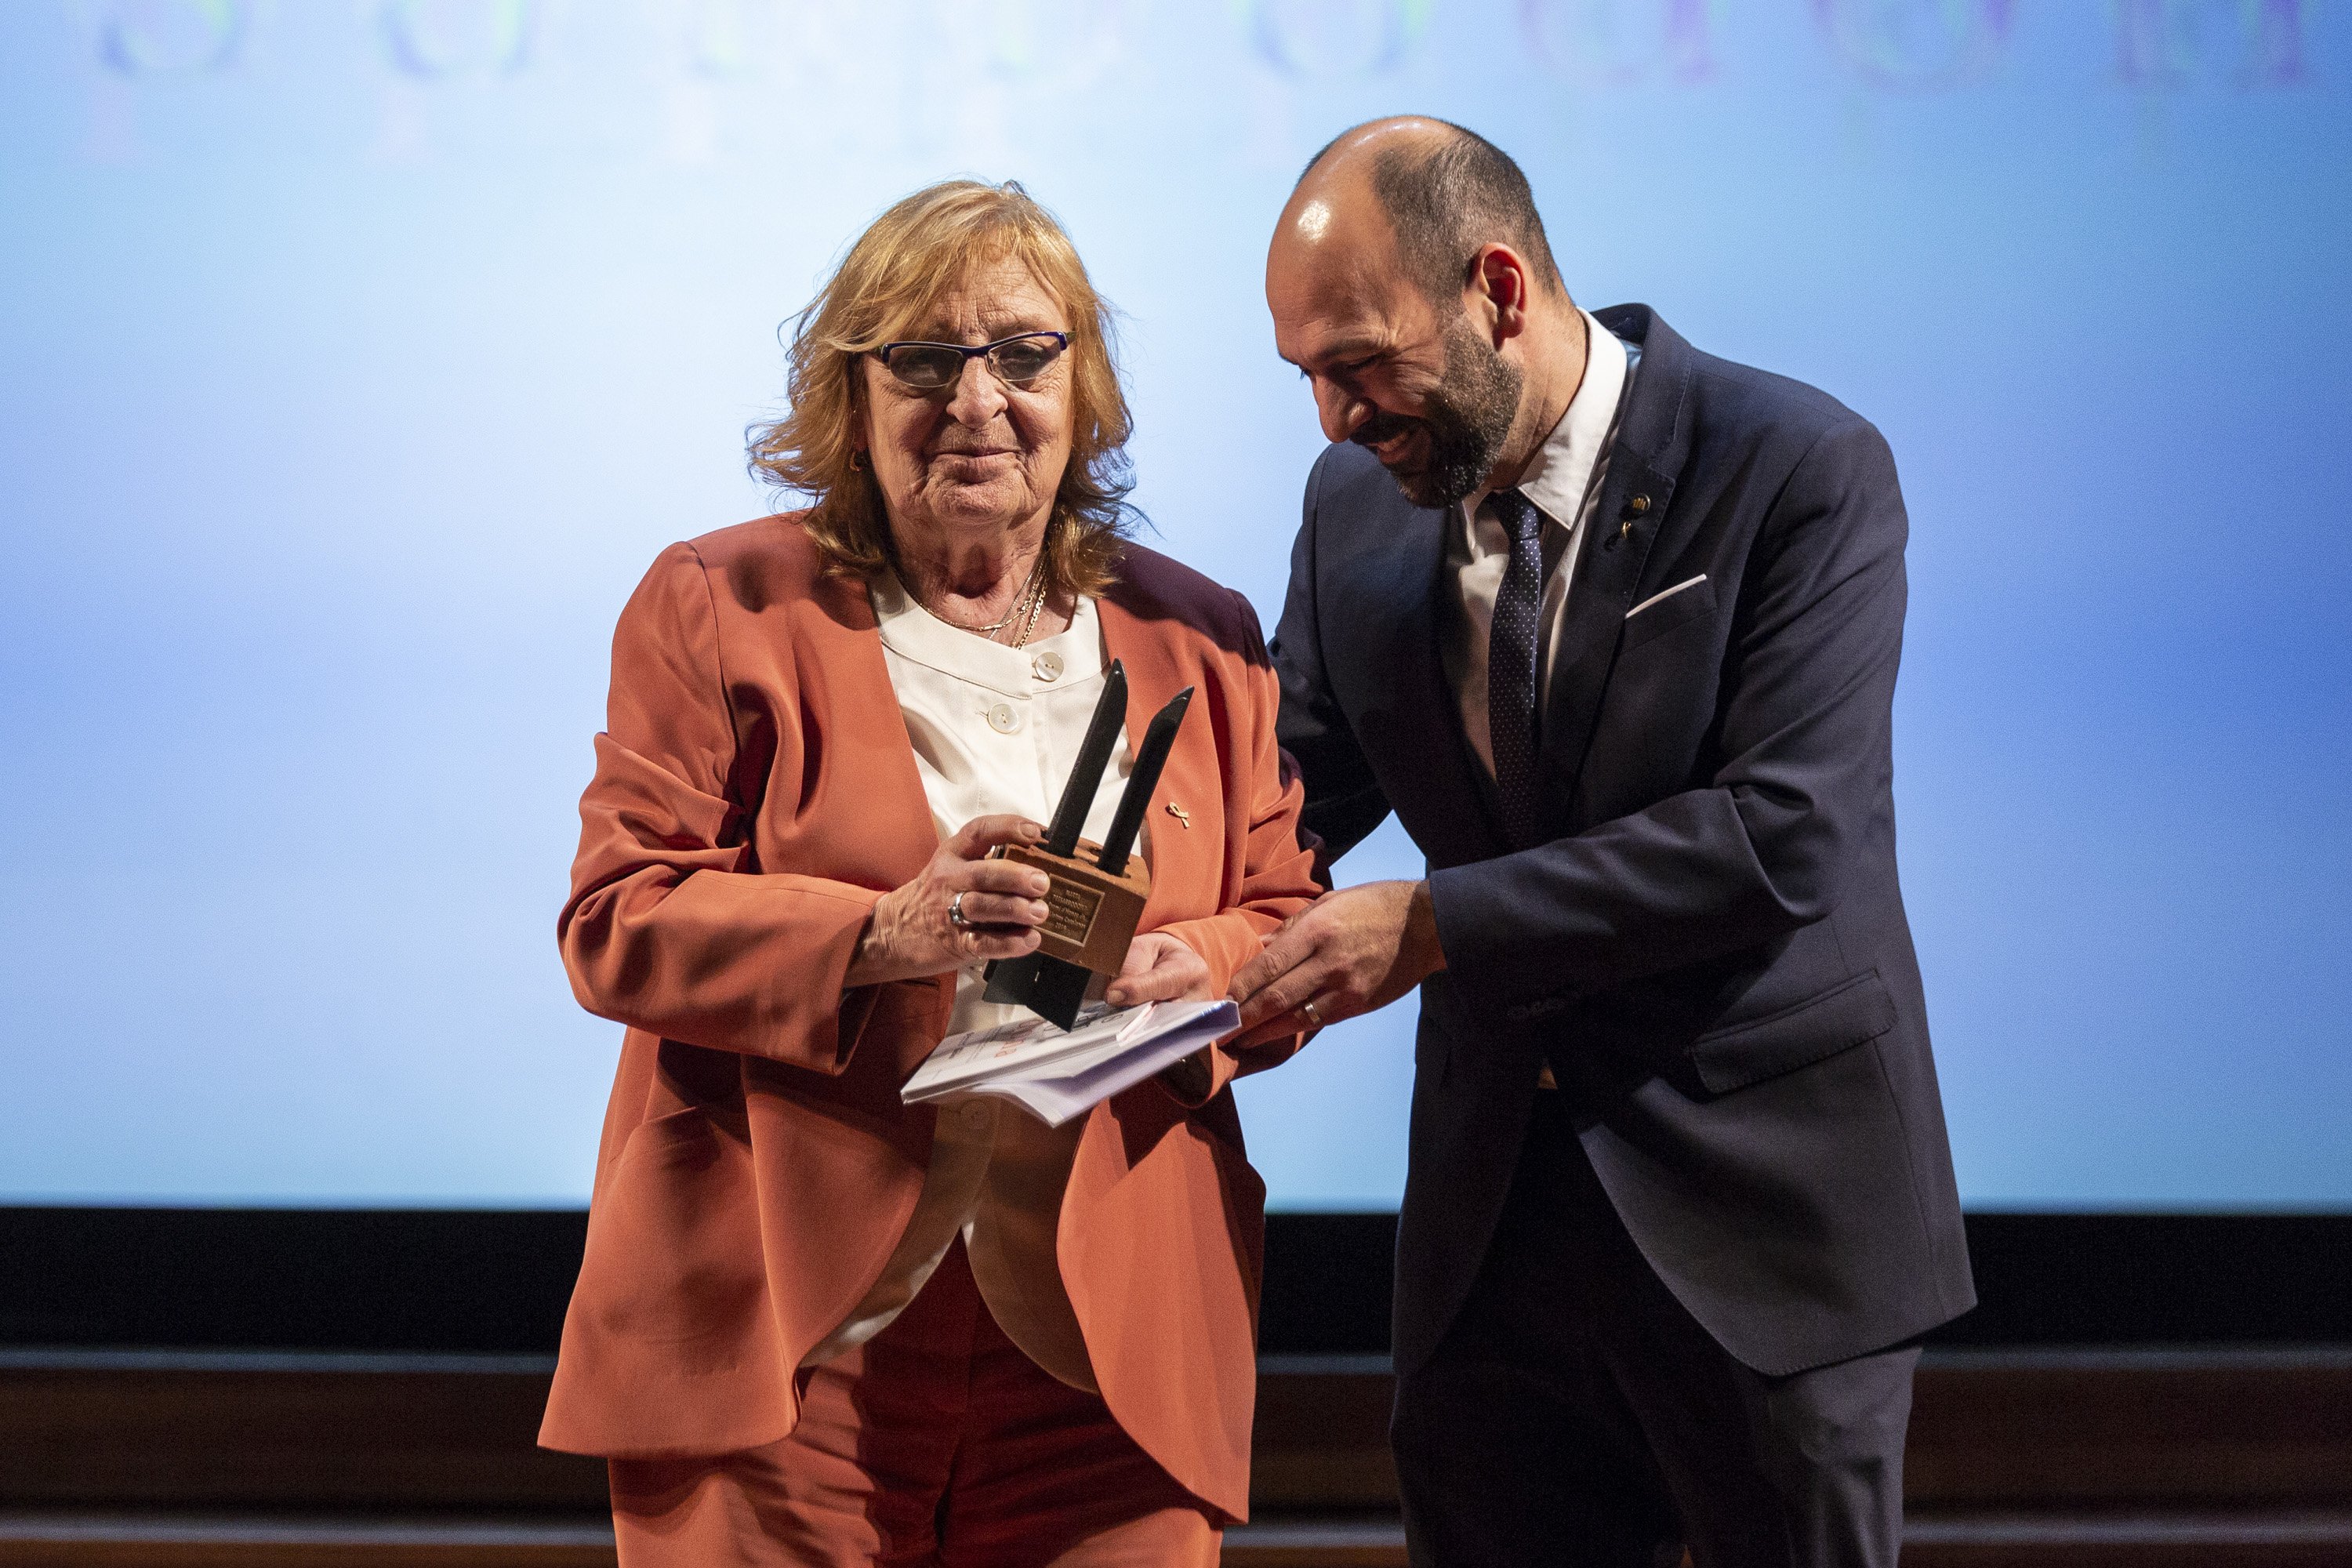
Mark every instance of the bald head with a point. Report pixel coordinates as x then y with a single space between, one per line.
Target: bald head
1410 282
1440 193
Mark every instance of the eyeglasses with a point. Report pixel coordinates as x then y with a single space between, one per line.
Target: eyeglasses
1017 359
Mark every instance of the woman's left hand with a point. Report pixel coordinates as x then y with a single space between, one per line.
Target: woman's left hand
1159 968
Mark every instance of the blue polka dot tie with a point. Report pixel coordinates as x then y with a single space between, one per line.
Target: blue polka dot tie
1511 647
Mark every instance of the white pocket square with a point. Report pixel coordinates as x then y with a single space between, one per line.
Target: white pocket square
1665 593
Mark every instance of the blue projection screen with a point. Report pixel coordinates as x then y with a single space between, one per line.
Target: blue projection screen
359 355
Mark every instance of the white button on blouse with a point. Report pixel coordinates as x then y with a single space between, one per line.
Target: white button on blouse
994 728
997 728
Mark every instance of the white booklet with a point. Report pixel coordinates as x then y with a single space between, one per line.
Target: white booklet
1055 1076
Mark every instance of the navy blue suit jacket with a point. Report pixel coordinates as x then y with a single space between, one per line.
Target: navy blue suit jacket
1711 949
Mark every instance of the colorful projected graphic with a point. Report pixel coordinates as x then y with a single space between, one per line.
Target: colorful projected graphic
1910 44
1621 43
1335 38
435 38
170 37
2166 42
1058 40
1898 46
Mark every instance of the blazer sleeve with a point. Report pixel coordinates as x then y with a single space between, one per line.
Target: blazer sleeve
1343 802
1805 726
668 927
1278 877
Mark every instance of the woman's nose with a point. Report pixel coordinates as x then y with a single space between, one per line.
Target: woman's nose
979 396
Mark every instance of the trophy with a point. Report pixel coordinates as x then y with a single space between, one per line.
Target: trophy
1097 890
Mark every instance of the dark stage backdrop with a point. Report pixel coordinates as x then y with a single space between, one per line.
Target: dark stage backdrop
496 1282
357 358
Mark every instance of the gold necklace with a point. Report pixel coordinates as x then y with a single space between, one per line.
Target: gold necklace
1036 608
1030 603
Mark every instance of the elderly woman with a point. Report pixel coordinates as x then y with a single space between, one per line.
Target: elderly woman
816 1325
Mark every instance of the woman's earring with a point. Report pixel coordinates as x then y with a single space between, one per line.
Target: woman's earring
857 460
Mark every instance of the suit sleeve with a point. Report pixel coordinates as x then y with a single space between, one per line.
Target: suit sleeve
668 929
1343 801
1277 875
1764 849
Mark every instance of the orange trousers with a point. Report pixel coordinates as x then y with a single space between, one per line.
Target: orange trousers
936 1443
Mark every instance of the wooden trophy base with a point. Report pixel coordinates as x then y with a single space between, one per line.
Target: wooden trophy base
1090 924
1091 915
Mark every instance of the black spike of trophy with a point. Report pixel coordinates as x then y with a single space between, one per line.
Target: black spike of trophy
1098 890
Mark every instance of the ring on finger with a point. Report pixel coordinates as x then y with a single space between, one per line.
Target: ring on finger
956 917
1306 1008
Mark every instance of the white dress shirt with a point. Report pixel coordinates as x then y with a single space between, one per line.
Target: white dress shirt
1563 478
994 728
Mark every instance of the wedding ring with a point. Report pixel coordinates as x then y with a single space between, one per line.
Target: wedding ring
955 913
1313 1017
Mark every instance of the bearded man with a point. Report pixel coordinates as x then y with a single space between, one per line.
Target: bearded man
1615 636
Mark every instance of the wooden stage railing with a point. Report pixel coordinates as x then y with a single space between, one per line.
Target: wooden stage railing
2156 1458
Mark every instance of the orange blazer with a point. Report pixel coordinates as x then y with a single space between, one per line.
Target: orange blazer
755 794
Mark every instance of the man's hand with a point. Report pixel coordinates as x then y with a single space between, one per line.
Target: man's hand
1348 952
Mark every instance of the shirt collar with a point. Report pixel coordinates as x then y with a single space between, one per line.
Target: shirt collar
1560 471
913 632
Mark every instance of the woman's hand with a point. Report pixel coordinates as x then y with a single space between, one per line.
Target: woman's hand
1159 968
912 933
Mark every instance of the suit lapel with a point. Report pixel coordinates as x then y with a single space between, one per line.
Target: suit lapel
897 835
1608 564
1626 522
888 835
1158 667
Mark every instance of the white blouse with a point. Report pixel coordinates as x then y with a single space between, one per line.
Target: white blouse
994 728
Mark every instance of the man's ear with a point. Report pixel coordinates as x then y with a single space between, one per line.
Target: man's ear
1501 286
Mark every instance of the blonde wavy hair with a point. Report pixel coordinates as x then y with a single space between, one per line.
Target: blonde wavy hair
921 247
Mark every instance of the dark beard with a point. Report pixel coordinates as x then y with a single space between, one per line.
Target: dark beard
1467 419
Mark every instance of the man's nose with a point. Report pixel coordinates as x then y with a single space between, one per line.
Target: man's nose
1343 412
979 396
